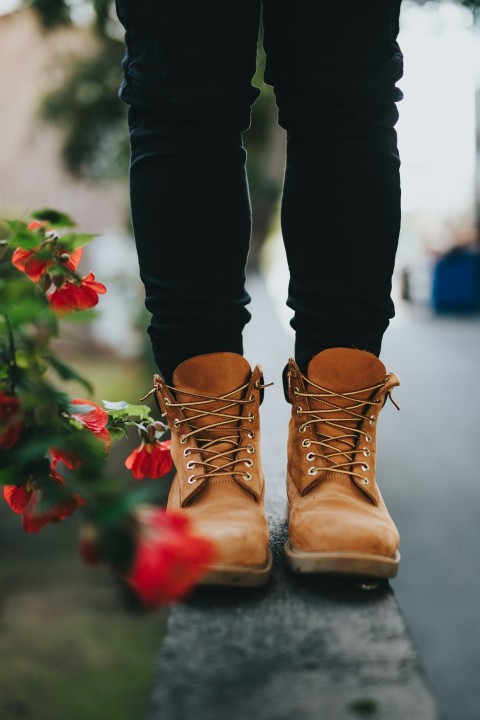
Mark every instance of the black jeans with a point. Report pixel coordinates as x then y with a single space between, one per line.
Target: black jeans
188 71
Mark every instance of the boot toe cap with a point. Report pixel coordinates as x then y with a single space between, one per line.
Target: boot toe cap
334 531
237 543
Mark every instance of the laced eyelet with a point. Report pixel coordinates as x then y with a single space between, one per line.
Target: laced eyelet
368 438
309 456
251 434
190 464
366 452
302 428
191 480
299 409
251 398
250 449
251 417
248 463
183 439
365 467
365 481
257 384
379 400
176 422
167 403
186 452
312 471
306 443
247 476
372 419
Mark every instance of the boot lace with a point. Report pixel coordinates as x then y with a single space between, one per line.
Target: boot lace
202 406
338 451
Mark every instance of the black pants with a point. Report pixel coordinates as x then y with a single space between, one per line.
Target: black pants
188 70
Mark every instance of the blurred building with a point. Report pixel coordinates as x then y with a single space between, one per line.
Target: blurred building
32 61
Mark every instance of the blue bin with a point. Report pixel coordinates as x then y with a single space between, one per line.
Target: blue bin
456 282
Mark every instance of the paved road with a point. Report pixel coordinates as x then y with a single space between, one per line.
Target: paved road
430 462
428 470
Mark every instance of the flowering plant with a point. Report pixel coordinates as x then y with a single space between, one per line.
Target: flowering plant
53 447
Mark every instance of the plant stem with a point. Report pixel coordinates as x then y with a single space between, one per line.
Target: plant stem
12 365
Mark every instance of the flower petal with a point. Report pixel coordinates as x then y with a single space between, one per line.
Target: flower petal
17 497
95 419
28 262
96 286
169 560
35 517
151 460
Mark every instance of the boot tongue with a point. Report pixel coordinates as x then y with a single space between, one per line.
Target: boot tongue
213 375
342 370
346 369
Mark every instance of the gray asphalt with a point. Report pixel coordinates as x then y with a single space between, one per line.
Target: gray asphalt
302 648
429 469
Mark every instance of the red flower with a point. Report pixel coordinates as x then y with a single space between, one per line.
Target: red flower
36 225
151 459
71 296
10 421
25 500
170 559
32 263
69 459
94 420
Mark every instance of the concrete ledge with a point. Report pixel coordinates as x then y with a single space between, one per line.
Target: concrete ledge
303 648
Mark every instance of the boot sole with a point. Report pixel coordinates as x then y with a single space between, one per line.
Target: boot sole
239 575
342 563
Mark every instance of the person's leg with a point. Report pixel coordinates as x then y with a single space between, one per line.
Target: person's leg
188 74
334 67
188 70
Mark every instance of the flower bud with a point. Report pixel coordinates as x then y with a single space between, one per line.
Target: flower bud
3 248
151 431
58 280
45 281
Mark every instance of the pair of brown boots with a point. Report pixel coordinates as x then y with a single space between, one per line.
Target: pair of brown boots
337 520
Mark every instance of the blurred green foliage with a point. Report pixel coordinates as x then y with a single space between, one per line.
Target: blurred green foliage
86 106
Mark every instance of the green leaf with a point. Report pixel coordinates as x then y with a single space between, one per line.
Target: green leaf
127 412
68 373
122 405
117 433
15 225
10 475
23 238
54 218
76 240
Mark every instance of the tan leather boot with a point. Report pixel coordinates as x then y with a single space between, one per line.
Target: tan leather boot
338 521
213 414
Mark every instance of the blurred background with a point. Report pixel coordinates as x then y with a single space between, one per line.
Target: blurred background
64 144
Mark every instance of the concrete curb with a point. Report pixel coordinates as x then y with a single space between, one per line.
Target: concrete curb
303 648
